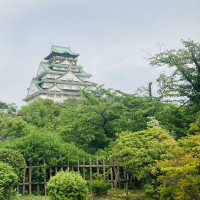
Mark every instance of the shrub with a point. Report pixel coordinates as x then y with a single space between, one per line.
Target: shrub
98 186
39 145
13 128
15 160
67 186
8 178
179 177
138 151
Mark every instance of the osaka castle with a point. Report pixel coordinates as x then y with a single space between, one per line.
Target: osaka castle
59 77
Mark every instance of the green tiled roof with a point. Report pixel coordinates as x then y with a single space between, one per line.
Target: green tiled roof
60 49
56 50
46 66
36 84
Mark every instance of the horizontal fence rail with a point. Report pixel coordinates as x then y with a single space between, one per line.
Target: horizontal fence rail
37 176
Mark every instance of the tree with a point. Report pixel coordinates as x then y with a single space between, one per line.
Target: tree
138 151
10 107
185 79
8 179
41 113
13 128
39 145
179 177
89 121
175 118
3 105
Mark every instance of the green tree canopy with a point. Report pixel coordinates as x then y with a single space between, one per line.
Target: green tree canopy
13 128
179 177
138 151
44 145
185 79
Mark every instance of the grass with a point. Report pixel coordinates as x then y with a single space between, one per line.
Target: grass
120 194
112 195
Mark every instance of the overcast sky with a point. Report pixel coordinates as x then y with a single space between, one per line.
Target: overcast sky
110 35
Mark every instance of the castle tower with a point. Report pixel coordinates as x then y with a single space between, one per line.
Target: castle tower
59 77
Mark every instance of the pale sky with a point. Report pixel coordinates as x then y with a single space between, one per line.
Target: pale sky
110 35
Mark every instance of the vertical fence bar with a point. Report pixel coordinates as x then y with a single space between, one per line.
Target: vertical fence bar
97 165
118 175
68 164
124 179
45 180
30 177
50 172
18 188
127 179
56 170
38 184
84 168
111 177
78 166
104 170
23 189
90 169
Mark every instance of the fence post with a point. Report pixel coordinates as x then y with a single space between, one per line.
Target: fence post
84 168
78 166
111 177
56 170
23 189
38 184
90 170
118 175
104 170
30 177
45 181
50 172
127 179
17 187
97 165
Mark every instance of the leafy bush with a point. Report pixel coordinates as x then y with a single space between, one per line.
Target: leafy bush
138 151
39 145
98 186
8 178
179 177
15 160
13 128
67 186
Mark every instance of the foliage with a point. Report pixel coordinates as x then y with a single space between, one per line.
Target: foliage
3 105
8 178
92 122
11 107
195 127
67 186
89 121
39 145
176 119
41 113
138 151
11 128
185 79
14 159
98 186
179 177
